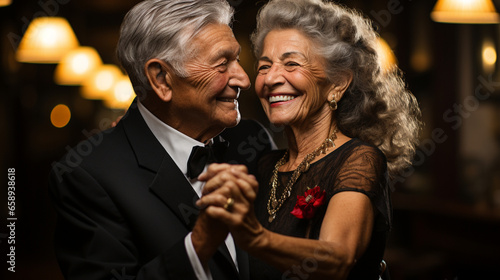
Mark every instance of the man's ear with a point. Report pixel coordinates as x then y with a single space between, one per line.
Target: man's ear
159 77
338 89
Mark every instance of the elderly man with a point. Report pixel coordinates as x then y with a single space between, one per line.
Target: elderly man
127 208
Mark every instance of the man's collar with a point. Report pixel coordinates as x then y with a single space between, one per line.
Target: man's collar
177 144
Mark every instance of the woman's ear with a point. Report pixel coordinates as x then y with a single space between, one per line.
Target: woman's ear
158 75
340 87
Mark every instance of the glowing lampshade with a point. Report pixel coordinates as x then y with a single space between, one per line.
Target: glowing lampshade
123 94
46 40
77 66
5 2
385 55
465 11
60 116
100 84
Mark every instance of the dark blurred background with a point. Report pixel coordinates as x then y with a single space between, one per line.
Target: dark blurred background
446 207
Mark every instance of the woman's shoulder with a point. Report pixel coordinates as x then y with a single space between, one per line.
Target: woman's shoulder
357 147
357 154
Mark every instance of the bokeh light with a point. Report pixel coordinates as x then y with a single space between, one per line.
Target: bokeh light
60 116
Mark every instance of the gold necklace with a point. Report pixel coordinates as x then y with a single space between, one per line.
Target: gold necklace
274 204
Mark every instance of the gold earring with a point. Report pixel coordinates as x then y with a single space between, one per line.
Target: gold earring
333 104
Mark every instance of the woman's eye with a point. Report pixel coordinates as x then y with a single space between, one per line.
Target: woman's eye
263 69
291 65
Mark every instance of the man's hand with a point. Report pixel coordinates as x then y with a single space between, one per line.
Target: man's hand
207 235
209 232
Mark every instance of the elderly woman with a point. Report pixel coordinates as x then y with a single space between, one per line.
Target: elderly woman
323 207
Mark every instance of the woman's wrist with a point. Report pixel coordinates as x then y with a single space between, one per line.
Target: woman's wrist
261 241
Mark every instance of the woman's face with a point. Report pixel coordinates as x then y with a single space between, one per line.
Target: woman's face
291 82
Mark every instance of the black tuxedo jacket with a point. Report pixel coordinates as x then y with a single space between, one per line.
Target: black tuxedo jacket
124 208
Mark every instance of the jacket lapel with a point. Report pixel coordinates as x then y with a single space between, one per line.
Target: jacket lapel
169 184
243 264
172 187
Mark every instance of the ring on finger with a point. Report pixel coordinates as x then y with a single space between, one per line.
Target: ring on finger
229 204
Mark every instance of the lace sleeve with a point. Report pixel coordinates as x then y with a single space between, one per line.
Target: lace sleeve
365 170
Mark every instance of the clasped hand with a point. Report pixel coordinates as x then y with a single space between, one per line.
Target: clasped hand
228 197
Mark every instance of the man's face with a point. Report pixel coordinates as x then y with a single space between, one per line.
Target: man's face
205 101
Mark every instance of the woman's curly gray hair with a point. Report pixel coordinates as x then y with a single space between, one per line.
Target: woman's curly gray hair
377 107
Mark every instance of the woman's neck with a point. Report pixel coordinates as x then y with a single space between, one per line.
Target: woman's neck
303 141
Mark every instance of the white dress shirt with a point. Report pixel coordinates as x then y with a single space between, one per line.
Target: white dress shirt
179 146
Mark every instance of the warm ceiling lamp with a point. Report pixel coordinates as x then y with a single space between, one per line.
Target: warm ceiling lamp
489 55
386 57
100 84
5 2
46 40
123 94
77 65
465 11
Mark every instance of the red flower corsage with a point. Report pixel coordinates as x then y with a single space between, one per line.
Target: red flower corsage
307 204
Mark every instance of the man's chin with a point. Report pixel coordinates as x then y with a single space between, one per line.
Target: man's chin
234 120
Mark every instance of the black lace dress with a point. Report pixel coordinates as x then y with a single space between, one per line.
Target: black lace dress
354 166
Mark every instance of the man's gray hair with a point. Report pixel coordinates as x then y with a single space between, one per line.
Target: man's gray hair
163 29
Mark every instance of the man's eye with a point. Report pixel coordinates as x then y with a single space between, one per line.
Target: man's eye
224 63
222 66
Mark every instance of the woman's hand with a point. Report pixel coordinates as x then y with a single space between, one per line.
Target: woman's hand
223 183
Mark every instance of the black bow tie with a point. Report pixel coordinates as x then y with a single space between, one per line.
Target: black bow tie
201 156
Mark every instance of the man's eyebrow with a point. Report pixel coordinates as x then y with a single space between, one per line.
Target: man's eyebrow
226 53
